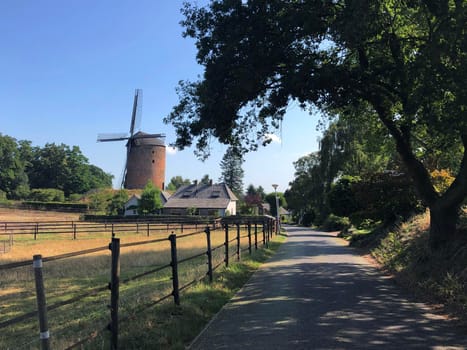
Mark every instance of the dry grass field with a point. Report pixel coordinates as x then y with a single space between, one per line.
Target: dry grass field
7 214
71 277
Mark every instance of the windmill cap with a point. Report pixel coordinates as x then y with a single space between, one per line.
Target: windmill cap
147 139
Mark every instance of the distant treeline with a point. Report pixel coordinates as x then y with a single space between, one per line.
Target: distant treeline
24 168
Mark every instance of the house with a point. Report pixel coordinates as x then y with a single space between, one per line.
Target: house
131 206
202 199
264 209
285 215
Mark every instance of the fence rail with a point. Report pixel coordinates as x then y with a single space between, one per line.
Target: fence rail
262 226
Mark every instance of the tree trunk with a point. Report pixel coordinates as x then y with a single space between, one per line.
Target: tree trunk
444 209
443 222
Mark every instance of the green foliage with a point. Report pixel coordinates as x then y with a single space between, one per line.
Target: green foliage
399 65
65 168
53 166
116 205
13 178
99 199
271 200
231 171
150 202
308 218
442 179
386 197
205 180
47 195
335 223
342 200
191 211
60 206
176 182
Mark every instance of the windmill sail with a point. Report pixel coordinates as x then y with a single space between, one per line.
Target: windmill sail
112 137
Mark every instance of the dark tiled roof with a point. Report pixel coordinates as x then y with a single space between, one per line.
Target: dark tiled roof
201 196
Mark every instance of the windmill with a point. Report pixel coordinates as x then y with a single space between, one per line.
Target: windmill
145 153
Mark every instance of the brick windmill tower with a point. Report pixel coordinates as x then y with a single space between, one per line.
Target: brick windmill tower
145 153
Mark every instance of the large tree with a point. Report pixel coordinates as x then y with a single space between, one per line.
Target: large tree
404 61
232 171
176 182
13 178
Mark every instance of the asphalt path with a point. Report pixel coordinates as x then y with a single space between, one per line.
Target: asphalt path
317 293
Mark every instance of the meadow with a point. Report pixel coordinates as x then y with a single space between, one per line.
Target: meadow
85 278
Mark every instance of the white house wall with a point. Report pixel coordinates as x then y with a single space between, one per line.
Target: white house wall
232 208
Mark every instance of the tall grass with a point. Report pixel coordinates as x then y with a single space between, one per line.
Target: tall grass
438 276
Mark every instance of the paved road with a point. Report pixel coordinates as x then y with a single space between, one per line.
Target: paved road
316 293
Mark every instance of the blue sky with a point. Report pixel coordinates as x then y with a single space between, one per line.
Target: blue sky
69 70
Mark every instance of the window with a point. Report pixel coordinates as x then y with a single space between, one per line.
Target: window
215 194
187 194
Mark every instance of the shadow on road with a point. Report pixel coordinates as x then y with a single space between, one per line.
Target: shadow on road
317 294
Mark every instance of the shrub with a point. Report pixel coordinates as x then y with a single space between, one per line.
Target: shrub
335 223
386 197
47 195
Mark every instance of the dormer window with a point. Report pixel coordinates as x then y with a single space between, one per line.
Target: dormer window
187 194
215 194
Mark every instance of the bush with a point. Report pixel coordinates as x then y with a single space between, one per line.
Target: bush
47 195
386 197
336 223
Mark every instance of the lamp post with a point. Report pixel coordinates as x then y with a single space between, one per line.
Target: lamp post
277 209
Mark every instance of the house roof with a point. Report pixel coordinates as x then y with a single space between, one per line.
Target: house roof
207 196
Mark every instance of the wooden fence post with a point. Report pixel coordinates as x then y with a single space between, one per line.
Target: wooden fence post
256 236
226 244
36 231
209 252
174 264
41 305
249 237
74 231
238 241
114 291
147 229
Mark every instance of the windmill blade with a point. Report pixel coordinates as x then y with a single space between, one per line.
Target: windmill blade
112 137
122 184
137 111
128 147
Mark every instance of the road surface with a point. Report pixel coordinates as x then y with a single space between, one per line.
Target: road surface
317 293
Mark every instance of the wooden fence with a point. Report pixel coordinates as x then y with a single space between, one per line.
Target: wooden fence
11 230
259 230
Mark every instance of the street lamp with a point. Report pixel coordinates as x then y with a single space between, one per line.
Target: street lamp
277 209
